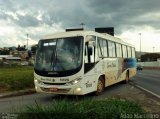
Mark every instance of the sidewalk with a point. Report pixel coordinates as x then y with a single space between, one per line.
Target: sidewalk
156 68
17 93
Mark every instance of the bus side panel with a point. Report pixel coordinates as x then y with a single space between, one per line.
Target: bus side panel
116 69
130 64
132 72
90 79
111 71
127 64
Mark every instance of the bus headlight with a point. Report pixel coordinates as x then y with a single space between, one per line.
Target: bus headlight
35 80
38 81
73 81
78 89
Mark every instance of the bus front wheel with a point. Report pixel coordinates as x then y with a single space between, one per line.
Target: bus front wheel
100 86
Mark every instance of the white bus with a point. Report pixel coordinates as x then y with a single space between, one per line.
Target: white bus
81 62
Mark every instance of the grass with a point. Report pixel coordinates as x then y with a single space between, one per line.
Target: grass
16 78
85 109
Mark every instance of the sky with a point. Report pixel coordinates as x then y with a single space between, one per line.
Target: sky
37 18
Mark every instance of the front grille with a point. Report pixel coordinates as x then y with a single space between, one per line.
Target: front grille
56 91
54 83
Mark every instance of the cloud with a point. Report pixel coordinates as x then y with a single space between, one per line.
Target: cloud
27 21
39 17
123 14
93 13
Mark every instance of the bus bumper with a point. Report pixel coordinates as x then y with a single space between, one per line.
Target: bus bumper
59 89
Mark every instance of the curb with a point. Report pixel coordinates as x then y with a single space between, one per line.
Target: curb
151 68
17 93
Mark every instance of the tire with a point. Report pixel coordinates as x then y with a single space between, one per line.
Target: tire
127 77
100 86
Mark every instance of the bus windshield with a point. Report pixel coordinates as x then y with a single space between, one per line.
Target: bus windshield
58 55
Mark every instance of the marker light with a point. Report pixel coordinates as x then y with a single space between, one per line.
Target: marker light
73 81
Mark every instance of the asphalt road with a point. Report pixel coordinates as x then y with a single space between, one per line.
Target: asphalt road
149 79
18 103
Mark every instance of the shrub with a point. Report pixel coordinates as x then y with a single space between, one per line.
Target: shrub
85 109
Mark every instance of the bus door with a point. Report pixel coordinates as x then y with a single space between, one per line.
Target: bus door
89 66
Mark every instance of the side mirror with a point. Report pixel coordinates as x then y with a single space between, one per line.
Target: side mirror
94 45
90 51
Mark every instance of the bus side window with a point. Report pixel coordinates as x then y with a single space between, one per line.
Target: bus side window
133 52
118 50
90 51
124 49
111 48
86 53
100 47
129 51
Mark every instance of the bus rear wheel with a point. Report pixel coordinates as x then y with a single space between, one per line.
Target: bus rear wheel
100 86
127 77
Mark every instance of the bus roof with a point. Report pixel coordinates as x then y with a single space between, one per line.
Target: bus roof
85 33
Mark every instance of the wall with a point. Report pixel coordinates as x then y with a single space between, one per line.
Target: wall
154 65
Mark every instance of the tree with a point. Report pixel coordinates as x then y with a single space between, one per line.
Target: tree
34 48
5 52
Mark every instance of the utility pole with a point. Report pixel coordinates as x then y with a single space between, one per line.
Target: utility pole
27 41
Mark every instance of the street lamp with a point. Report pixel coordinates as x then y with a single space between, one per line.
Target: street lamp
153 48
140 45
27 41
82 24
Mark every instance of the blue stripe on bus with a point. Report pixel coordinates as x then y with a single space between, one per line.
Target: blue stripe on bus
129 63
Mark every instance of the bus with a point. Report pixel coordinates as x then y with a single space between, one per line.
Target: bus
81 62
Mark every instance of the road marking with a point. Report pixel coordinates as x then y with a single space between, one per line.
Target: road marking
156 95
151 75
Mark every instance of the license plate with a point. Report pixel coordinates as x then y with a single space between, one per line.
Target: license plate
53 89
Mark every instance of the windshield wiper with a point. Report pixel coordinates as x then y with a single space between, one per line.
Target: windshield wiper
54 54
55 58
